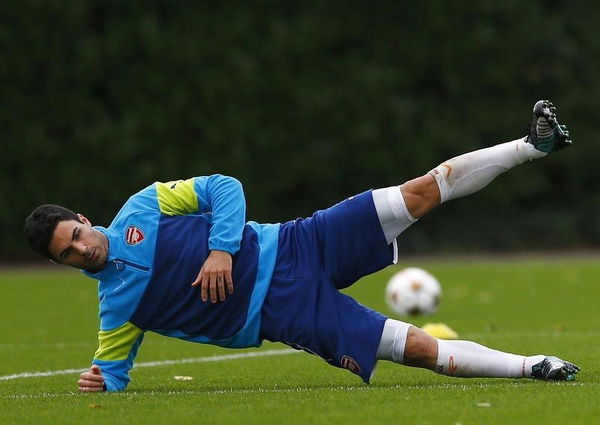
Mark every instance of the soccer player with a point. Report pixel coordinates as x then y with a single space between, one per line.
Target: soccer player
180 260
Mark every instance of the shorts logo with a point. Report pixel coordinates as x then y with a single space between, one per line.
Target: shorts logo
350 364
134 235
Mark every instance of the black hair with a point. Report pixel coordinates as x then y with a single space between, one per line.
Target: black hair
40 226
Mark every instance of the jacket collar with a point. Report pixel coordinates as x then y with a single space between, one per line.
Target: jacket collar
112 237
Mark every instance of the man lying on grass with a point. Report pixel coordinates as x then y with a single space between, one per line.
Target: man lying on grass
180 260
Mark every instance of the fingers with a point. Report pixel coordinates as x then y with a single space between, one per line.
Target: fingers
88 376
213 285
229 281
207 286
203 281
204 288
86 383
198 279
221 288
91 380
213 288
90 389
215 277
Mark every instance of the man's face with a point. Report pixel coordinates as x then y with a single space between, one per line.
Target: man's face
78 245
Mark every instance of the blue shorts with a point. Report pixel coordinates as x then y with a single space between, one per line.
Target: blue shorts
316 257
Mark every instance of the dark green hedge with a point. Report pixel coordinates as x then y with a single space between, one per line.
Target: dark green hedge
304 104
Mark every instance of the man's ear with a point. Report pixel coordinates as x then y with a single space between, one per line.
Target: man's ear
84 219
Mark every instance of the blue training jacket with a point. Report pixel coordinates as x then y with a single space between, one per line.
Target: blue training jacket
158 243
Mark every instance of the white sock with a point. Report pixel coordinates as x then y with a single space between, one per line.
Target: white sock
393 341
468 173
392 212
468 359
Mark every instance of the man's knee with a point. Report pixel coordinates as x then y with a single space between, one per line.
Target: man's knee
420 195
421 349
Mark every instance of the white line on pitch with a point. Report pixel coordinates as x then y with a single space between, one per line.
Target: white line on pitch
224 357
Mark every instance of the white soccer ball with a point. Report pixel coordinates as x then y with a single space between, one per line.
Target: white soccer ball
413 292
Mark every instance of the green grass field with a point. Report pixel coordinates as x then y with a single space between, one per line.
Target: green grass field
530 306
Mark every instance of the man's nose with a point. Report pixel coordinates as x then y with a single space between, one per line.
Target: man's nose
81 248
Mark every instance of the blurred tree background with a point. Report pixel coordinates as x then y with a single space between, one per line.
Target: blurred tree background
305 102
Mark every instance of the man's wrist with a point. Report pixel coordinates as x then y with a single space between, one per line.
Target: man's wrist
220 251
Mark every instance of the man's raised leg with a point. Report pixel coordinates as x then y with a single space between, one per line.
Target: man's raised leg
468 173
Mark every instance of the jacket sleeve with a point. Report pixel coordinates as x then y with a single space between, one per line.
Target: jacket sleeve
116 352
221 196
